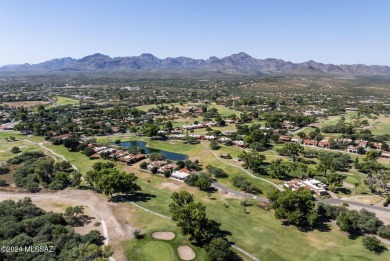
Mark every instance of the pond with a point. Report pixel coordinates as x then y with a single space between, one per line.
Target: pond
141 144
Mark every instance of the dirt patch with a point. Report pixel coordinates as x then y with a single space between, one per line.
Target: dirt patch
171 185
348 185
163 235
25 103
370 200
314 241
186 253
115 215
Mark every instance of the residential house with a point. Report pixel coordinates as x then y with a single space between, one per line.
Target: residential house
181 174
284 138
324 143
296 140
312 143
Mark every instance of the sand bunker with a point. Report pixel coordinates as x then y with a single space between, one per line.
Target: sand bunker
171 185
163 235
186 253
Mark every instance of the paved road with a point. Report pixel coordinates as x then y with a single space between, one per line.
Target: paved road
327 201
352 203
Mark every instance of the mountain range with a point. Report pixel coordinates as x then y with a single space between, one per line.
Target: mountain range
236 63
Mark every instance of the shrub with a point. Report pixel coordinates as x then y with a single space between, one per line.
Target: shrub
214 145
329 211
219 250
15 150
154 170
384 231
217 172
137 233
167 173
143 165
368 222
4 170
373 244
3 183
157 156
245 185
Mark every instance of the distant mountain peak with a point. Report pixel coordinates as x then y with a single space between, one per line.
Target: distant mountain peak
241 63
148 55
242 55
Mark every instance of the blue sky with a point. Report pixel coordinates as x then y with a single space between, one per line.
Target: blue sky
328 31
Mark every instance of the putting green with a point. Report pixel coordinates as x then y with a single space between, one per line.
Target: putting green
157 250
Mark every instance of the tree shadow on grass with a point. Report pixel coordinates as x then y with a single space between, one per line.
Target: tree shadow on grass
345 191
355 235
83 220
323 227
137 197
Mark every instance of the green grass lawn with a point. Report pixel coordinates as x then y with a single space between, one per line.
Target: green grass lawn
60 100
224 111
5 146
7 134
359 178
200 152
148 248
254 229
82 162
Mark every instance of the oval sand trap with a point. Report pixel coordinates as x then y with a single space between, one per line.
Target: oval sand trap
186 253
163 235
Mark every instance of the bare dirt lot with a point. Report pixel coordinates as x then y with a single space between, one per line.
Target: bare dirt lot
25 103
96 206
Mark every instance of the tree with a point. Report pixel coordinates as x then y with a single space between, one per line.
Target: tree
373 244
214 145
384 231
203 183
143 165
180 199
245 185
217 172
219 250
88 152
253 160
109 180
32 186
291 149
334 180
75 178
72 214
157 156
71 143
278 170
192 220
348 221
368 222
294 207
15 150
